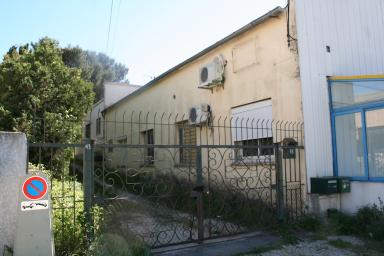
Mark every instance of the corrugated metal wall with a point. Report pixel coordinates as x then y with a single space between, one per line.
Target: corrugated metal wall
354 32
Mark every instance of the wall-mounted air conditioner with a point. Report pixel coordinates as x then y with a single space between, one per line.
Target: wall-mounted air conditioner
212 73
199 114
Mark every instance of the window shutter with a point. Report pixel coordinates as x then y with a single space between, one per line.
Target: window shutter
252 121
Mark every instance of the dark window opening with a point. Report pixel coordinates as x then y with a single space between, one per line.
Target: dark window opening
98 126
110 149
88 131
149 151
122 141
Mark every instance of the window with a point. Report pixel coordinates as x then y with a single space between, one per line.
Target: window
122 140
357 114
349 145
149 139
98 126
251 128
88 131
187 136
110 149
374 120
351 93
254 148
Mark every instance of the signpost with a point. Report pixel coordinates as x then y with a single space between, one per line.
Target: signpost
34 228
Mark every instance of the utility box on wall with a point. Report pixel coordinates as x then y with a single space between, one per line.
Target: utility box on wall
290 151
324 185
343 185
330 185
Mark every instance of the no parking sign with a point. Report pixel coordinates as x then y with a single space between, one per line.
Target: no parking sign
35 187
34 228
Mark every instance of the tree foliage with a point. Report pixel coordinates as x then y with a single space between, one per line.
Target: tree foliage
35 83
97 68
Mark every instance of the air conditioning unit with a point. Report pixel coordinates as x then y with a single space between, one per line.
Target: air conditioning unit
212 74
199 114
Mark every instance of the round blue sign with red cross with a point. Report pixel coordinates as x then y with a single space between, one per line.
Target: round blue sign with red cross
35 187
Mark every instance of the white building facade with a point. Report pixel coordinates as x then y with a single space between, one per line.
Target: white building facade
341 57
94 123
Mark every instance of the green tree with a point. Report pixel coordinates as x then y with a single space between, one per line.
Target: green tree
97 68
41 96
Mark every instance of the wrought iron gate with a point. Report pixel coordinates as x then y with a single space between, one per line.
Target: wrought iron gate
162 202
159 183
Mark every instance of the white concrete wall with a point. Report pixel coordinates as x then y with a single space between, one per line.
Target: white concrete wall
361 194
114 92
354 31
13 164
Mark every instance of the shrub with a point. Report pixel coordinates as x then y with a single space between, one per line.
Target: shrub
341 223
309 222
367 222
370 220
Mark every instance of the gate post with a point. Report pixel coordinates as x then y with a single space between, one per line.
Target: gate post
279 183
88 156
199 200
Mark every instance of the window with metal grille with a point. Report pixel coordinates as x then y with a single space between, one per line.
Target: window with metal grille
187 136
254 148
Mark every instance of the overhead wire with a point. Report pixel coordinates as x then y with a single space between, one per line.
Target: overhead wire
109 26
116 24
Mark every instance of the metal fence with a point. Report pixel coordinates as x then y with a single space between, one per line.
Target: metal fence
210 130
159 179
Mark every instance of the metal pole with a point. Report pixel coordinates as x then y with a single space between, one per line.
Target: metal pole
199 200
279 183
88 155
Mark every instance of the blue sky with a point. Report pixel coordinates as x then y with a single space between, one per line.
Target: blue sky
148 36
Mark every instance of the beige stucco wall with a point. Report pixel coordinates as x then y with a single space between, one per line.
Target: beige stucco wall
275 75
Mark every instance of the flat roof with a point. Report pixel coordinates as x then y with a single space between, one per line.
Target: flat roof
122 84
273 13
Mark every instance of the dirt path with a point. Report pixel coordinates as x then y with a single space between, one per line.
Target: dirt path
134 217
331 246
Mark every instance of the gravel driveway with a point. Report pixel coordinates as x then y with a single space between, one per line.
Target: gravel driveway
310 248
322 248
